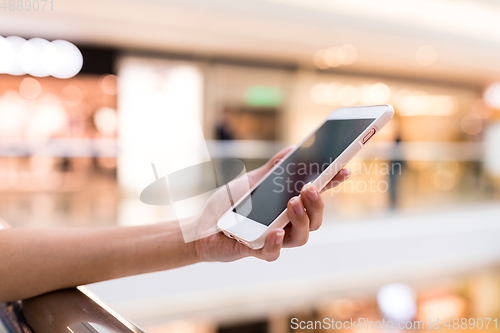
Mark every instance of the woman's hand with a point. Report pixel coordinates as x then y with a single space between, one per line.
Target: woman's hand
305 213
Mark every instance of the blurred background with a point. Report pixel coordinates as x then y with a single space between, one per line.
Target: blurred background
422 209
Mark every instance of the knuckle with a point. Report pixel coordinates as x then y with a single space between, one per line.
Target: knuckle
272 256
316 226
321 204
302 220
302 240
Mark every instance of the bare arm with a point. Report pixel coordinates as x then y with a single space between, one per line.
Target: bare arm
34 261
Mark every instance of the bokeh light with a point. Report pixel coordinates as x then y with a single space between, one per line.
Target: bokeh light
379 93
492 95
426 55
106 120
30 88
418 103
13 115
72 95
48 119
472 124
348 95
109 84
319 59
335 56
335 93
397 302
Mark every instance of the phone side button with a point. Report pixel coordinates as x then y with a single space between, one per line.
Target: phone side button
368 136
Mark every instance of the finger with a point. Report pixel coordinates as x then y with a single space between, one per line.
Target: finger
272 247
299 232
314 205
255 175
340 177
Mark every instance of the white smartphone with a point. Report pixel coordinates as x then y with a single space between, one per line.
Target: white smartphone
317 159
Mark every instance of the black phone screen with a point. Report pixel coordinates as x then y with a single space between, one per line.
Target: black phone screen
322 148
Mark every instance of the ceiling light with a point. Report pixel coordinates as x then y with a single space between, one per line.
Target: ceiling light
30 57
70 59
39 57
16 43
7 55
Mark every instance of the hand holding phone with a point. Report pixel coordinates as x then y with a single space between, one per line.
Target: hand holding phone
317 160
215 246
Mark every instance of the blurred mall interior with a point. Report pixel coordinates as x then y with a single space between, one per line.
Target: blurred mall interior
420 215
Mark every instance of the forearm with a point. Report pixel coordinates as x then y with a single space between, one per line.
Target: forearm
36 261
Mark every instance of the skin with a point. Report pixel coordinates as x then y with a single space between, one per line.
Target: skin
36 261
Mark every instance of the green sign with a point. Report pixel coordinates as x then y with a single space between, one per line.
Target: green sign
263 96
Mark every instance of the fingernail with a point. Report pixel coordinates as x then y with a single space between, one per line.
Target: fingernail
311 192
279 237
297 206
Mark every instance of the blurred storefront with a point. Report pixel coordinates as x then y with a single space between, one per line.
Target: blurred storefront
66 154
436 152
58 146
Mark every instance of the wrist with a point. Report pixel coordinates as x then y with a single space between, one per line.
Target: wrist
174 251
188 235
198 250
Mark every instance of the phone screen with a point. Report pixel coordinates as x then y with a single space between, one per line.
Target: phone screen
321 149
